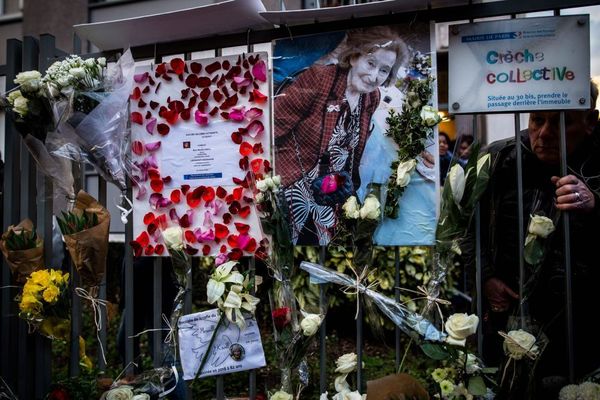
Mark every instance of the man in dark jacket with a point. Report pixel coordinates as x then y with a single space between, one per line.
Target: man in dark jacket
545 192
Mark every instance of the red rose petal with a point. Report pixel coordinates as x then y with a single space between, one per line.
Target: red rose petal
159 249
259 71
232 240
143 239
153 105
258 96
223 249
191 81
137 147
196 67
256 163
206 250
185 188
203 82
156 185
175 196
149 250
141 103
221 231
214 111
242 228
162 221
161 69
245 149
236 137
189 236
221 193
229 102
254 128
137 248
177 65
235 254
218 96
205 94
244 211
195 196
184 221
244 163
148 218
153 173
163 129
151 125
257 148
237 193
209 194
227 218
213 67
137 118
136 95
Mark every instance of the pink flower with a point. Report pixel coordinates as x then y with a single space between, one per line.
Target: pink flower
329 184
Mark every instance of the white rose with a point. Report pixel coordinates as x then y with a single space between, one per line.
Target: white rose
310 324
20 106
259 197
430 116
323 396
90 62
281 395
78 72
141 396
346 363
352 396
350 208
262 185
522 342
276 180
589 390
456 178
541 226
120 393
63 81
173 237
568 392
461 325
29 80
370 209
102 61
403 172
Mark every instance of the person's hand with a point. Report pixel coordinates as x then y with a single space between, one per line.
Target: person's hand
572 194
499 295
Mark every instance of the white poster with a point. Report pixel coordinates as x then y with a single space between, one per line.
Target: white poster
233 350
520 65
200 138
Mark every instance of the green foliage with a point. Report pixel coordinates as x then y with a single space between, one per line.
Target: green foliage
410 133
73 222
22 240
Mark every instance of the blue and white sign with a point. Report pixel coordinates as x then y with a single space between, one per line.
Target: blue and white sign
520 65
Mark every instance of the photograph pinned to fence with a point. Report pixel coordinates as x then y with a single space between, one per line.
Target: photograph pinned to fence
332 95
232 350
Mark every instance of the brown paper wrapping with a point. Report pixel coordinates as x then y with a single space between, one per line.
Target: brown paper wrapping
89 248
23 262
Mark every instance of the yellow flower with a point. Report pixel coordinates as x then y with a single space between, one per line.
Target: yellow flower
447 387
41 277
439 374
58 277
32 288
30 304
51 294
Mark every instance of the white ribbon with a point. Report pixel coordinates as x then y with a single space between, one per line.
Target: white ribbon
95 303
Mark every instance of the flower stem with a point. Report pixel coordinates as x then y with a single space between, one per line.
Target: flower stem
212 340
404 356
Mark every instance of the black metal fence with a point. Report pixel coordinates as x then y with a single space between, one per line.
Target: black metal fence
25 360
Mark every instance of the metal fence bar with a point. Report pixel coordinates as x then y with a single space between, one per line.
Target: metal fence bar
252 373
8 332
397 331
129 304
568 269
359 345
323 328
520 212
478 266
102 335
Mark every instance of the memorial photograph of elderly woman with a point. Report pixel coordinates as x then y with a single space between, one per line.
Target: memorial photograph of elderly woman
332 95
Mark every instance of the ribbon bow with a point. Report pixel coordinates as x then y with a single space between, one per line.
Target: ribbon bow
358 287
95 303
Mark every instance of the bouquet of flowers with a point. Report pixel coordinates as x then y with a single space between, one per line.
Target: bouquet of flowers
153 384
45 303
85 231
23 249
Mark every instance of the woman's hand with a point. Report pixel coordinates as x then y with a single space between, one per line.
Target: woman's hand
572 194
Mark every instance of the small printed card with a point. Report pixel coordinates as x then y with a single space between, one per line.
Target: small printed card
233 350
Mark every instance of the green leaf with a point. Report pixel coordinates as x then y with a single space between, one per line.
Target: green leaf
533 252
435 351
476 386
